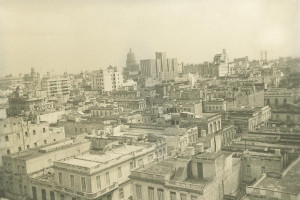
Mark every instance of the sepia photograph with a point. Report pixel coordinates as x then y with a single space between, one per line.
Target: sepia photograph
149 99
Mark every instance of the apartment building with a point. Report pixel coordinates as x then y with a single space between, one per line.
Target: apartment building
188 176
17 135
95 175
249 118
107 80
56 86
20 167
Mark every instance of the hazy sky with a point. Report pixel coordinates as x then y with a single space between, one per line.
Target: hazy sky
71 35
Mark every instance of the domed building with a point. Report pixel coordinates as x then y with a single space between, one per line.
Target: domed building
131 71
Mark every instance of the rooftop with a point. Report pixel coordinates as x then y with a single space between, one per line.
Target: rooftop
289 183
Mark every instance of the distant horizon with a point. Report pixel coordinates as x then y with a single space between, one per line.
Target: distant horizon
119 67
75 35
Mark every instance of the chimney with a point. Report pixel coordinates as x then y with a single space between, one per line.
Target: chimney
261 55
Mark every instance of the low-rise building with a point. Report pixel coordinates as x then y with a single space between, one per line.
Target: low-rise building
249 118
208 176
94 175
215 105
17 135
20 167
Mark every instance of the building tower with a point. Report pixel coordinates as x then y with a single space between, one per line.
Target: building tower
131 71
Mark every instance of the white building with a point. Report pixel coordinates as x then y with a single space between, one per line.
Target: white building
107 80
56 86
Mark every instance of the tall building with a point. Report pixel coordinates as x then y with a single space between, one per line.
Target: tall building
161 67
56 86
131 71
221 64
107 80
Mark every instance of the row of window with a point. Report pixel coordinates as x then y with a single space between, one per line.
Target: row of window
28 147
161 194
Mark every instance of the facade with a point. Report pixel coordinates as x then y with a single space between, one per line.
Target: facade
193 176
249 119
105 111
107 80
20 167
26 104
56 86
216 105
17 135
221 64
131 104
95 176
161 68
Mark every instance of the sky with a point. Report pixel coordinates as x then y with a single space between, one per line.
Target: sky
75 35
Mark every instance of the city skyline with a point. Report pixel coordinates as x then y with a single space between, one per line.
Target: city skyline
92 35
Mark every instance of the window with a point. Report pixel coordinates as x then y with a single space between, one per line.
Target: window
21 188
34 193
83 185
35 144
19 135
26 134
98 181
28 146
25 190
44 130
119 172
121 193
173 195
45 141
193 197
44 194
20 148
52 197
150 193
60 178
131 165
33 132
183 196
107 178
62 197
72 180
160 194
6 138
8 152
138 191
248 169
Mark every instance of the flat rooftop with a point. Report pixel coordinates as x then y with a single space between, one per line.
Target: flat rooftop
93 160
289 183
160 168
35 152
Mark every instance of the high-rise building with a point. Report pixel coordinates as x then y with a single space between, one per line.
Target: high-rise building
221 64
161 68
107 80
56 86
131 71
